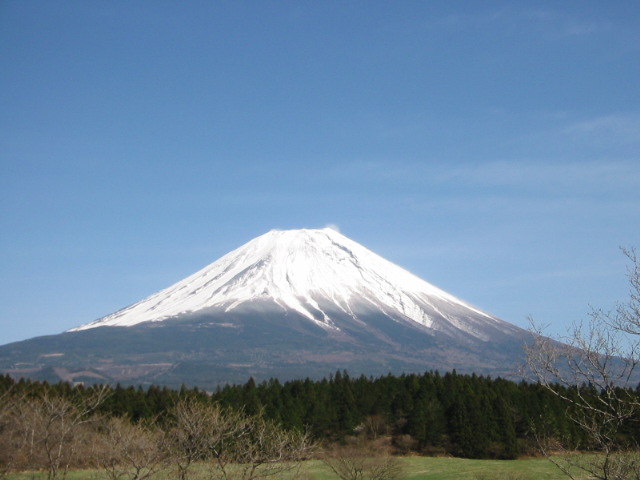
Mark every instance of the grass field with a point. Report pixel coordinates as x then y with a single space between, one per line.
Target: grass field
416 468
456 468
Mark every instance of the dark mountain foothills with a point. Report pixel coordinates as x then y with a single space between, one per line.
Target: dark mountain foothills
430 413
203 351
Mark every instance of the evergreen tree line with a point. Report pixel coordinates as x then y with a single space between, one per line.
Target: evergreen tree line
467 416
462 415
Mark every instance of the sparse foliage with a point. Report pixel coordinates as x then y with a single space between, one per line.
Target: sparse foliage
263 449
48 430
8 452
233 445
594 371
361 460
374 426
131 451
194 430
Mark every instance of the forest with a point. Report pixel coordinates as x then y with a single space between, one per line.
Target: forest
466 416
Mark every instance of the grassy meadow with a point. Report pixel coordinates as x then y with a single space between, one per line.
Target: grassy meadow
416 468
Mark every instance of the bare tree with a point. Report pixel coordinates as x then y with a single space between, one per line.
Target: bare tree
9 453
594 370
374 426
47 431
264 449
200 432
131 451
359 460
232 445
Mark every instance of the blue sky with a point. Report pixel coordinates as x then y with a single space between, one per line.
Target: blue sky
492 148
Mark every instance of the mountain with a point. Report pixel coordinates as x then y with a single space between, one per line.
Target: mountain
287 304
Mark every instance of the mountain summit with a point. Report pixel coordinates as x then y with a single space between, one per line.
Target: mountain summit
286 304
316 273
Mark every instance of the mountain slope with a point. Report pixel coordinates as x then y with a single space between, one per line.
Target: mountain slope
312 272
287 303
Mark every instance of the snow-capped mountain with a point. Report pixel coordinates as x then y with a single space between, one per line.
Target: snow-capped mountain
316 273
287 304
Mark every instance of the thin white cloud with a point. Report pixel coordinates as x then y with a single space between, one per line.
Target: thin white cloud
556 175
606 129
577 29
549 24
544 176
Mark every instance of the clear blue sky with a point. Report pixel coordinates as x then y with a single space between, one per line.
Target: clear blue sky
492 148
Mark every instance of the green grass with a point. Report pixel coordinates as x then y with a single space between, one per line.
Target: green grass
417 468
438 468
456 468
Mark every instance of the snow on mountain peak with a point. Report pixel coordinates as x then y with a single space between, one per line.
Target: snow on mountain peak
303 270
